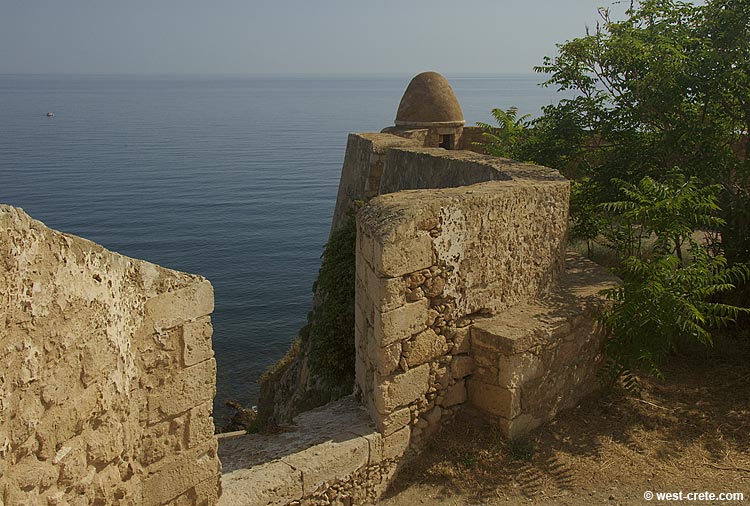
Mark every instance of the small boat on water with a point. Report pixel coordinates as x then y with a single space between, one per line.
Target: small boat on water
50 114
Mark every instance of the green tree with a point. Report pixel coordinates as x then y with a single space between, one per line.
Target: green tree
670 211
586 221
668 86
656 135
662 302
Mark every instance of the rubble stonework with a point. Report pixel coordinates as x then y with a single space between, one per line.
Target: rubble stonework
107 375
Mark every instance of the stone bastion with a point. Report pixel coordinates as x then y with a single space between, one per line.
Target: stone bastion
465 296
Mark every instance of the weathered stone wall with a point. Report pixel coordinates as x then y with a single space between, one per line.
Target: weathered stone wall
362 169
540 357
419 168
471 136
106 375
376 164
429 262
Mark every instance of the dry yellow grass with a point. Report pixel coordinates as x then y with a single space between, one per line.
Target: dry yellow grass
688 432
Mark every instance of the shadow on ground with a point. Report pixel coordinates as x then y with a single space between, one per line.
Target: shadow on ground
689 431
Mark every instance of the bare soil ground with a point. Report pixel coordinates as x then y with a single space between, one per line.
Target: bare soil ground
688 432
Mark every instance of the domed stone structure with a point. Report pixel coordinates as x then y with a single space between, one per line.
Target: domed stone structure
430 112
429 101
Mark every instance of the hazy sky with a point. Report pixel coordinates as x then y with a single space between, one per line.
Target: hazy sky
285 36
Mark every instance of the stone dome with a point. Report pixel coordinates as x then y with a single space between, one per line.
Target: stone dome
429 101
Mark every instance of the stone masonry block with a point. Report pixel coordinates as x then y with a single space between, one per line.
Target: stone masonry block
507 333
275 483
375 443
161 440
180 474
406 255
455 394
396 444
494 399
461 340
518 368
179 306
105 444
189 388
385 359
485 357
365 246
196 341
462 366
200 424
329 460
485 374
402 389
426 346
386 293
207 492
401 323
394 421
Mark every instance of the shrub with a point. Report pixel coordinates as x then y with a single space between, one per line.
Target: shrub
666 296
330 328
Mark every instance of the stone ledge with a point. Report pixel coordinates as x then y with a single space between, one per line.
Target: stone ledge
526 326
325 445
538 358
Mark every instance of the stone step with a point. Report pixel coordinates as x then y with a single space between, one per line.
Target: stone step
540 357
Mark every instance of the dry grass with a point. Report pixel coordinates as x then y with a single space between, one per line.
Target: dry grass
689 432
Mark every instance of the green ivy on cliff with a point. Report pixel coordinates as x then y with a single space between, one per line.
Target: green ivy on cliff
330 329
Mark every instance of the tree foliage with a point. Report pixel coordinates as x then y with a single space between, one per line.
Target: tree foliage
664 297
654 135
669 211
510 134
668 86
586 220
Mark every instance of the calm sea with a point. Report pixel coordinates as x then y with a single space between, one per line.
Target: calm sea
233 178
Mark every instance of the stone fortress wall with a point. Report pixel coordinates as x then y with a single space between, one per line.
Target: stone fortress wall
432 262
465 295
107 375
